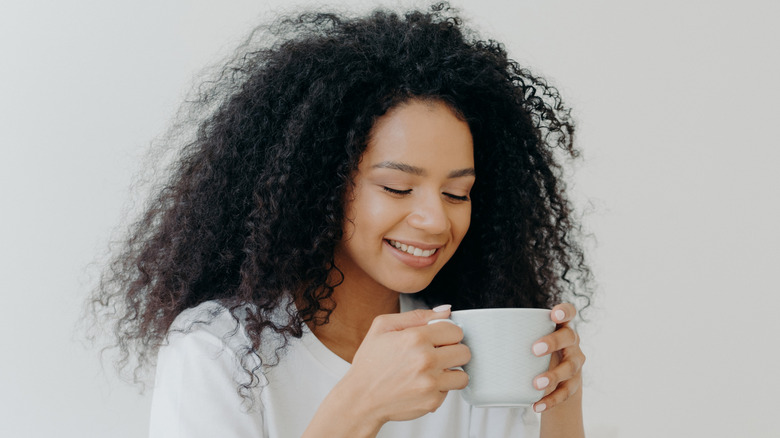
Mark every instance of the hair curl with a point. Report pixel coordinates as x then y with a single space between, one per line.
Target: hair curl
253 209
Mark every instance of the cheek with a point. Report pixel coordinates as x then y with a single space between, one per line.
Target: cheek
372 215
375 209
460 223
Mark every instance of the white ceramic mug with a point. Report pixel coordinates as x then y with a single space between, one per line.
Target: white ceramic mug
502 365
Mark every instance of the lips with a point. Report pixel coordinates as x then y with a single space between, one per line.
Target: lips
412 250
409 258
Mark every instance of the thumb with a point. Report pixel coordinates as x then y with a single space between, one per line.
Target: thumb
414 318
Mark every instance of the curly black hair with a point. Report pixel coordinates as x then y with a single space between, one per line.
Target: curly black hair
254 207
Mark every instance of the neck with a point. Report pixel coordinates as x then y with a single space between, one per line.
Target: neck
356 307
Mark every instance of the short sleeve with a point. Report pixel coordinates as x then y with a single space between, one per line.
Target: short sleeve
196 394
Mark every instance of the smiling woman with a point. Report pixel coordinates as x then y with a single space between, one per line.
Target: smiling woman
409 207
353 180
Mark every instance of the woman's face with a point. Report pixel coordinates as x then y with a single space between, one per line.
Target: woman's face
410 206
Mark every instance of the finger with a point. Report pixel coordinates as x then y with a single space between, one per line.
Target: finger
453 379
560 395
562 338
414 318
563 313
451 356
567 369
442 333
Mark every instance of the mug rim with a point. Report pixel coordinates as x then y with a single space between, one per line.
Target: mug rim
503 309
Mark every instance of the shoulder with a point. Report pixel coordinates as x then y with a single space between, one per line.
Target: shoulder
202 387
212 325
207 335
206 342
209 321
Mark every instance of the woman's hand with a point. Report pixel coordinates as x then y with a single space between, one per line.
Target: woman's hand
404 364
563 379
401 371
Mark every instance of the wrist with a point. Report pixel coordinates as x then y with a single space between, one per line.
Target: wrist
355 401
565 419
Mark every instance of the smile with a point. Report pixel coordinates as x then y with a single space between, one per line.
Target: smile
409 249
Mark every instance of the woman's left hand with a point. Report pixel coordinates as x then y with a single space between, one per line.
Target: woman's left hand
564 377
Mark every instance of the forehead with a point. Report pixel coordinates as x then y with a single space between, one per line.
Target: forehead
420 133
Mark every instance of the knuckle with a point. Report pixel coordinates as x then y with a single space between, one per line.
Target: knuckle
466 353
571 368
381 321
575 338
561 396
426 361
414 337
457 333
569 388
562 338
463 381
420 314
427 384
552 343
432 404
555 377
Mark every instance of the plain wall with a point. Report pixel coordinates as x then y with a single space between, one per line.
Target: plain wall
676 104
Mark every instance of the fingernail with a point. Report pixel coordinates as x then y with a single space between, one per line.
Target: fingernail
540 348
435 321
442 308
559 315
540 407
542 382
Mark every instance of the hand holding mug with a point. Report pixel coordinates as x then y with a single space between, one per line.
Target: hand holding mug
564 376
405 366
521 357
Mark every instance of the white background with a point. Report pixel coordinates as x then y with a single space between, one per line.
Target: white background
677 104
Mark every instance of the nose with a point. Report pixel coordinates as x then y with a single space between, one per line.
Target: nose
430 215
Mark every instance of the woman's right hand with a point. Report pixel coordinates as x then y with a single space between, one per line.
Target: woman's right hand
404 364
401 371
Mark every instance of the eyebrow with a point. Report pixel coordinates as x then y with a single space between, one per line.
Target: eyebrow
414 170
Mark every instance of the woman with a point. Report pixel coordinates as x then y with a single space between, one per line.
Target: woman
356 179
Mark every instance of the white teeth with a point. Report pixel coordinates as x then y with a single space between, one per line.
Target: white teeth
412 250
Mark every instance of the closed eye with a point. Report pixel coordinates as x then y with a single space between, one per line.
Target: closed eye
397 192
456 197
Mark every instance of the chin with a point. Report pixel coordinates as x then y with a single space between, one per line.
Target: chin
411 287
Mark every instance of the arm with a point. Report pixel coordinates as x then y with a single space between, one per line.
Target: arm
561 406
400 372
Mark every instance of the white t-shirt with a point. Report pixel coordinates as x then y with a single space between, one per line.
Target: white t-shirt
195 392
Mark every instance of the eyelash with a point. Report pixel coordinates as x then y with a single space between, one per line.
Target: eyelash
397 192
457 198
406 192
